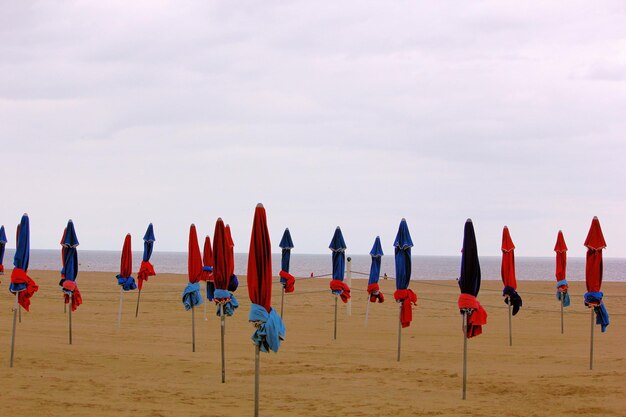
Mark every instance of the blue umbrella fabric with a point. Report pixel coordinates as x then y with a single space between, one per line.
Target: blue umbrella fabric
403 244
3 242
21 283
288 280
469 283
338 248
372 284
146 269
70 267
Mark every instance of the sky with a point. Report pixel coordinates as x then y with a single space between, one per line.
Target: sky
352 114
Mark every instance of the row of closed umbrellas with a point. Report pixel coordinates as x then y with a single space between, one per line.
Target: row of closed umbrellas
215 266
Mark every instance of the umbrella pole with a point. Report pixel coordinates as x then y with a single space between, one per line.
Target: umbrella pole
257 378
19 313
282 302
335 333
207 301
64 307
399 331
15 307
465 318
193 329
223 326
562 313
367 310
510 325
591 345
119 312
70 318
137 309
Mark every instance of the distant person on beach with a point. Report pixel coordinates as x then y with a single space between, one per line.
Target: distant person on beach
311 274
385 276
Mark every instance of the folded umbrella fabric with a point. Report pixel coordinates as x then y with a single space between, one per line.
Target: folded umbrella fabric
271 329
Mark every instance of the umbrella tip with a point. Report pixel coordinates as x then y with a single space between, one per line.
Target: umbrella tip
594 217
338 228
403 219
506 227
286 228
260 205
193 225
70 221
468 220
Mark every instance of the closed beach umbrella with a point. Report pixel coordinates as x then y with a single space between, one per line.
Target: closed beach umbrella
474 315
191 293
403 295
146 269
561 266
373 290
511 297
286 279
337 286
125 278
225 300
270 329
207 271
3 242
233 281
71 293
593 279
21 285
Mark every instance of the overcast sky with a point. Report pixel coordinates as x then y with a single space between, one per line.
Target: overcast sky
352 113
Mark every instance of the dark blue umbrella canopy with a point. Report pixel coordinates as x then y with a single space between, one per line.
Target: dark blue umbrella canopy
376 253
70 242
338 246
22 251
148 243
469 281
3 242
286 244
403 245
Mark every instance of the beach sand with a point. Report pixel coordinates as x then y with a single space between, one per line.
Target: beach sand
146 368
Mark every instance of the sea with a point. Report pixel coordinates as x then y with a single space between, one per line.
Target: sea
307 265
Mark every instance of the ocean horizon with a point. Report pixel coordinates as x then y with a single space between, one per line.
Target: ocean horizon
303 265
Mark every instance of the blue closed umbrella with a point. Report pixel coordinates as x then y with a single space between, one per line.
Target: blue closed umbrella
21 284
403 294
288 280
3 242
71 294
474 315
337 286
372 283
145 269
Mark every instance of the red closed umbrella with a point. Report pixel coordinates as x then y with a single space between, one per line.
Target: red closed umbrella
593 278
270 329
191 294
207 271
225 300
561 266
511 297
125 279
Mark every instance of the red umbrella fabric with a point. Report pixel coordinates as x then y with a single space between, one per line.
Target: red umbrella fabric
221 276
508 272
125 278
561 266
191 294
233 282
270 329
593 273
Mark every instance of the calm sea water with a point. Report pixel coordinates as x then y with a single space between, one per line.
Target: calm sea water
302 265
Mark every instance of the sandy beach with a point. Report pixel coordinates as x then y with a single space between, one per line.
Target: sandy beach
146 368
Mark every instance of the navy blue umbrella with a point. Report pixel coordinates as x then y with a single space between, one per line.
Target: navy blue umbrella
21 284
70 272
373 290
403 294
3 242
474 315
288 280
145 269
337 286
